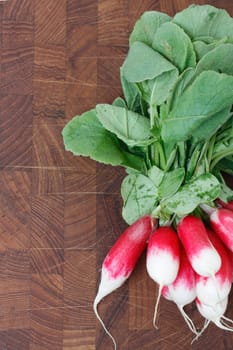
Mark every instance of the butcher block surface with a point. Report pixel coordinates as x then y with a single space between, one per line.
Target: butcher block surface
60 214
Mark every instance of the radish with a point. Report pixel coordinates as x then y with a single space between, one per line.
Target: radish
166 293
225 205
121 260
163 259
183 290
203 257
221 221
215 314
211 290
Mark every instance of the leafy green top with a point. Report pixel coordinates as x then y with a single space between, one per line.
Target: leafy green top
173 129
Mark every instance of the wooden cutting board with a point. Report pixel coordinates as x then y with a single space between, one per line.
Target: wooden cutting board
59 214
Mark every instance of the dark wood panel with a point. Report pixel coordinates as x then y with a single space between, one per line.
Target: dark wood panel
60 214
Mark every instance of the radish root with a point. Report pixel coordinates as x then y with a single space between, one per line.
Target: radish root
223 325
157 306
206 324
188 320
227 319
95 308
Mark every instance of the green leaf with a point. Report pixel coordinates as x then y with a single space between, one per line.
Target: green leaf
146 27
211 125
143 63
157 90
218 59
156 175
130 127
173 43
201 21
131 93
119 102
171 182
202 190
201 109
85 136
139 196
179 87
201 48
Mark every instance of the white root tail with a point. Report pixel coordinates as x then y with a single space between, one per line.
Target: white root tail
157 306
206 324
188 320
95 308
223 325
227 319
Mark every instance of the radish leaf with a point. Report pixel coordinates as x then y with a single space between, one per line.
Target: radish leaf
203 189
204 21
130 127
85 136
173 43
218 59
140 196
146 27
143 63
171 182
208 99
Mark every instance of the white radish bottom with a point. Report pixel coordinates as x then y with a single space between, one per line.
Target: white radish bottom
207 262
215 314
210 291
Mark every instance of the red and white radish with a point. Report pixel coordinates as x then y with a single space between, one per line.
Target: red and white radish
183 290
163 259
121 260
203 257
211 290
221 221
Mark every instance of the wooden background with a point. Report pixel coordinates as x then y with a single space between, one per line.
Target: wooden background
59 214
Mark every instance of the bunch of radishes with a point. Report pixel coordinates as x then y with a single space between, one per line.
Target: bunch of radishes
172 130
189 262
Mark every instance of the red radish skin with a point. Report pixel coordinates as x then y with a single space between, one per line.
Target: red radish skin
225 205
121 260
211 290
203 257
183 290
166 294
221 221
163 259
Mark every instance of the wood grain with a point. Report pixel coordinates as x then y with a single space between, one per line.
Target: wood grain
60 214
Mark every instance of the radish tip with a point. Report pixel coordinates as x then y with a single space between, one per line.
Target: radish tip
156 307
95 308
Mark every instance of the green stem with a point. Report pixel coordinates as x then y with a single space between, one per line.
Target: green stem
202 159
162 159
154 117
211 149
171 159
193 162
181 153
221 155
156 154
